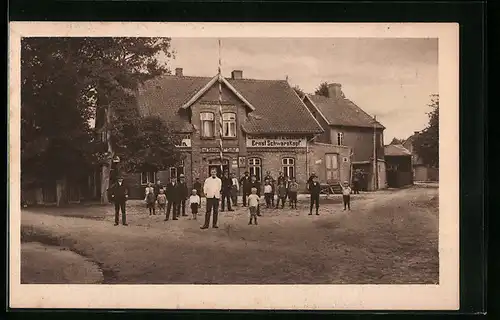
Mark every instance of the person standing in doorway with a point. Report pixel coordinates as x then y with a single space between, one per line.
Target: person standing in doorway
183 195
314 190
245 186
212 189
119 195
172 199
227 185
235 188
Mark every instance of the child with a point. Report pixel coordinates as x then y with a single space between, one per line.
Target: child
162 200
150 198
194 202
281 195
253 204
268 193
346 195
293 189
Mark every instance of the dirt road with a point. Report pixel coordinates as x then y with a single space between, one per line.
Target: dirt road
387 237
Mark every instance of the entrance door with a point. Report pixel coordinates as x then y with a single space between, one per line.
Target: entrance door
332 167
217 167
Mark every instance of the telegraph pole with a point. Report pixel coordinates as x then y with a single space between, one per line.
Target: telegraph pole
375 167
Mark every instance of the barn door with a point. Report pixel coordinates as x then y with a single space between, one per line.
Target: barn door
332 167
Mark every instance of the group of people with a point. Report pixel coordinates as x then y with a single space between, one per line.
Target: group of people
173 196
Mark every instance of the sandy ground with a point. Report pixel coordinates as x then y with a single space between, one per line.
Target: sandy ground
389 237
49 264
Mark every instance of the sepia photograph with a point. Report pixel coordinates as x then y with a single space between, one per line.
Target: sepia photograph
237 166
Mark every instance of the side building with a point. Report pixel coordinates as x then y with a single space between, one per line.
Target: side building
346 124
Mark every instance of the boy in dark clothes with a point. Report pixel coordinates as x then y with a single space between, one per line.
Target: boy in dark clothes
281 195
183 195
119 196
172 198
314 190
227 185
293 189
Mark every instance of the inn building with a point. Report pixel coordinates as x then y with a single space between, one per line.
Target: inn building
266 127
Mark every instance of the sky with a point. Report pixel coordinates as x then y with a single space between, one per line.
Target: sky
390 78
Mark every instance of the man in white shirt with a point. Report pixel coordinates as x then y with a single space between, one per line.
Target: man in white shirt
211 189
235 188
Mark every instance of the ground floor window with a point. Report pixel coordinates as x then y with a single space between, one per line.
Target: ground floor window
255 167
148 177
288 167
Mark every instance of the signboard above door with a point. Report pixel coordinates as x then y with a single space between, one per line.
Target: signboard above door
276 142
224 150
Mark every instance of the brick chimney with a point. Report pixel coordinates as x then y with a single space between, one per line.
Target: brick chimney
237 74
335 90
178 72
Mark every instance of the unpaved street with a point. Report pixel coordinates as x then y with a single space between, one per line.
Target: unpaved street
387 237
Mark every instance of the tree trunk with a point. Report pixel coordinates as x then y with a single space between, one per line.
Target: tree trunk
61 192
105 183
106 169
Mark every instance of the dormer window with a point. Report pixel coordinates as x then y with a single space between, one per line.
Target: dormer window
229 125
207 124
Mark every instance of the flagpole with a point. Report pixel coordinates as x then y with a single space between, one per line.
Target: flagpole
221 128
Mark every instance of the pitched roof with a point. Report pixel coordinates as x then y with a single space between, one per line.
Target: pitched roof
396 150
342 112
278 110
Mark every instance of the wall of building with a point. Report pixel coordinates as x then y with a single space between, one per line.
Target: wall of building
360 140
316 160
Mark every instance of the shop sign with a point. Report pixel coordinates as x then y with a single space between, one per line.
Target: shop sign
276 142
224 150
185 143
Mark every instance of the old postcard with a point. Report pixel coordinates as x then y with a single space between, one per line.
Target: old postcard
234 166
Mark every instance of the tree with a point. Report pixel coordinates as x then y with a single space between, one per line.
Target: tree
396 141
426 143
66 82
299 91
322 90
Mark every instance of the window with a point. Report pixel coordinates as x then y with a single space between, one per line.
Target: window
229 124
332 166
255 167
207 124
147 177
288 165
173 172
340 138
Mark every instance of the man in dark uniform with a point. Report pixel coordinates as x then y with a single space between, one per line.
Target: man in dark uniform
227 185
119 195
172 199
183 195
245 186
314 190
255 184
310 180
